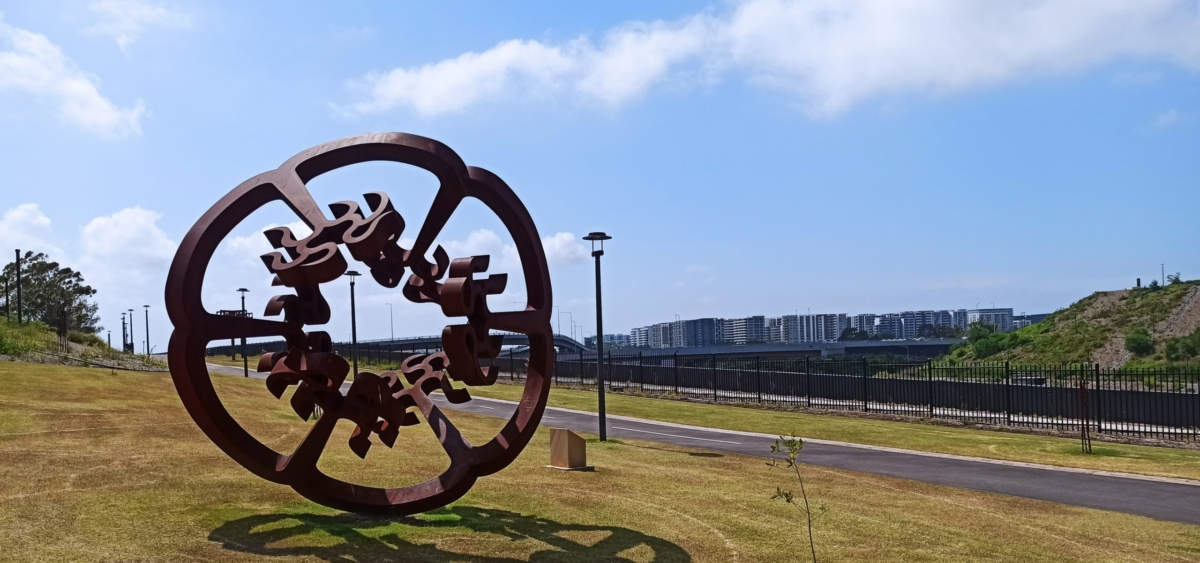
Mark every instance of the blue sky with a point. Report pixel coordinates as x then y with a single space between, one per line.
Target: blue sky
755 157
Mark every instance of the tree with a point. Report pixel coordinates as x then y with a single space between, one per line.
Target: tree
54 295
1173 279
851 333
979 331
1139 342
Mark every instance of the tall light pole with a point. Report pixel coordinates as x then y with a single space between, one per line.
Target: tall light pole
20 319
1162 267
600 237
147 308
391 325
124 336
132 344
245 360
353 324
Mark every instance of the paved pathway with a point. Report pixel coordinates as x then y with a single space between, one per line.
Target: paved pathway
1164 499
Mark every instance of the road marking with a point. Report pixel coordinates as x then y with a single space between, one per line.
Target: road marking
677 435
486 407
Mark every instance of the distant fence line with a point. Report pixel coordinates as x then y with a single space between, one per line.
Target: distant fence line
1161 403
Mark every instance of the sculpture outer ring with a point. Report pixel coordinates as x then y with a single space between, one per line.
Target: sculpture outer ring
195 327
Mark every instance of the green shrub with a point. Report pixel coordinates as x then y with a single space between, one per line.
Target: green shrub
16 340
1138 341
1183 348
86 339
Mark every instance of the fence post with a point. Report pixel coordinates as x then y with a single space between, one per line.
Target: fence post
675 363
807 382
866 407
1007 393
608 369
641 373
1096 402
714 377
758 377
929 389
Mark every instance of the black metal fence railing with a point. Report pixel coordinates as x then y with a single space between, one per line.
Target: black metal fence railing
1161 403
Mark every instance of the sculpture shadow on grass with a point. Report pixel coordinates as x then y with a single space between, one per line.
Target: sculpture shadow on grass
353 538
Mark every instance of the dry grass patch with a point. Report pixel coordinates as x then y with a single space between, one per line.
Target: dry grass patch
96 466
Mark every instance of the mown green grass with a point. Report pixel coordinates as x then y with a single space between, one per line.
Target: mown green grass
103 467
1145 460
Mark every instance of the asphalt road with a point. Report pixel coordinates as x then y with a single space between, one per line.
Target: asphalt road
1172 500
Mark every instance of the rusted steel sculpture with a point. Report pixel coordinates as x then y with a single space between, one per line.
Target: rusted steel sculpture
379 404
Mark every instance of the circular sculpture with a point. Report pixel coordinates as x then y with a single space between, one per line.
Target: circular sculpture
379 404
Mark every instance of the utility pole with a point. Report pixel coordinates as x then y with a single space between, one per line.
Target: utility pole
593 237
391 324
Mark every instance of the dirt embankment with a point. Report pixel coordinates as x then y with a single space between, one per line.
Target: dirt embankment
1184 319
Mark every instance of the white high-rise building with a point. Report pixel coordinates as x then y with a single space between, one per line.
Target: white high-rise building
1002 319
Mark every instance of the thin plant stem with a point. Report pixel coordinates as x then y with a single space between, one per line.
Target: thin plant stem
807 512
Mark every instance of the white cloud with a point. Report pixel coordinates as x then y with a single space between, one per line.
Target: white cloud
564 249
1170 118
250 247
126 252
38 67
125 20
828 54
25 227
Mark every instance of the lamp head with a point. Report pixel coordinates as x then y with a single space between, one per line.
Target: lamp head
597 236
243 290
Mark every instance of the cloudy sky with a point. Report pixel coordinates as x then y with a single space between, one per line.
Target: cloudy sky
749 157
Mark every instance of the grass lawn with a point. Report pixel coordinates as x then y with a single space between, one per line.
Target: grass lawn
1146 460
95 466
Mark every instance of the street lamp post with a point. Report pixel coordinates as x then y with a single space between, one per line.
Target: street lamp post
124 335
20 319
353 324
600 237
147 323
132 343
245 360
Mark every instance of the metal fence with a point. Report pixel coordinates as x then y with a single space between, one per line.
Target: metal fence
1160 403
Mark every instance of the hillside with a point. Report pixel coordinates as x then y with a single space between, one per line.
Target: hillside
1101 328
36 342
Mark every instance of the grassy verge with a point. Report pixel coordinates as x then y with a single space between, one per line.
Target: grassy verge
110 467
1146 460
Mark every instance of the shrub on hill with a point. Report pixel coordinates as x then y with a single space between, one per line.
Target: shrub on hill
1138 341
16 340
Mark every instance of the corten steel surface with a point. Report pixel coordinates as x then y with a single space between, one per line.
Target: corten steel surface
379 404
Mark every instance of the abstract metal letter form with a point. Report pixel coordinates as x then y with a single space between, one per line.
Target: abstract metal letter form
379 404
